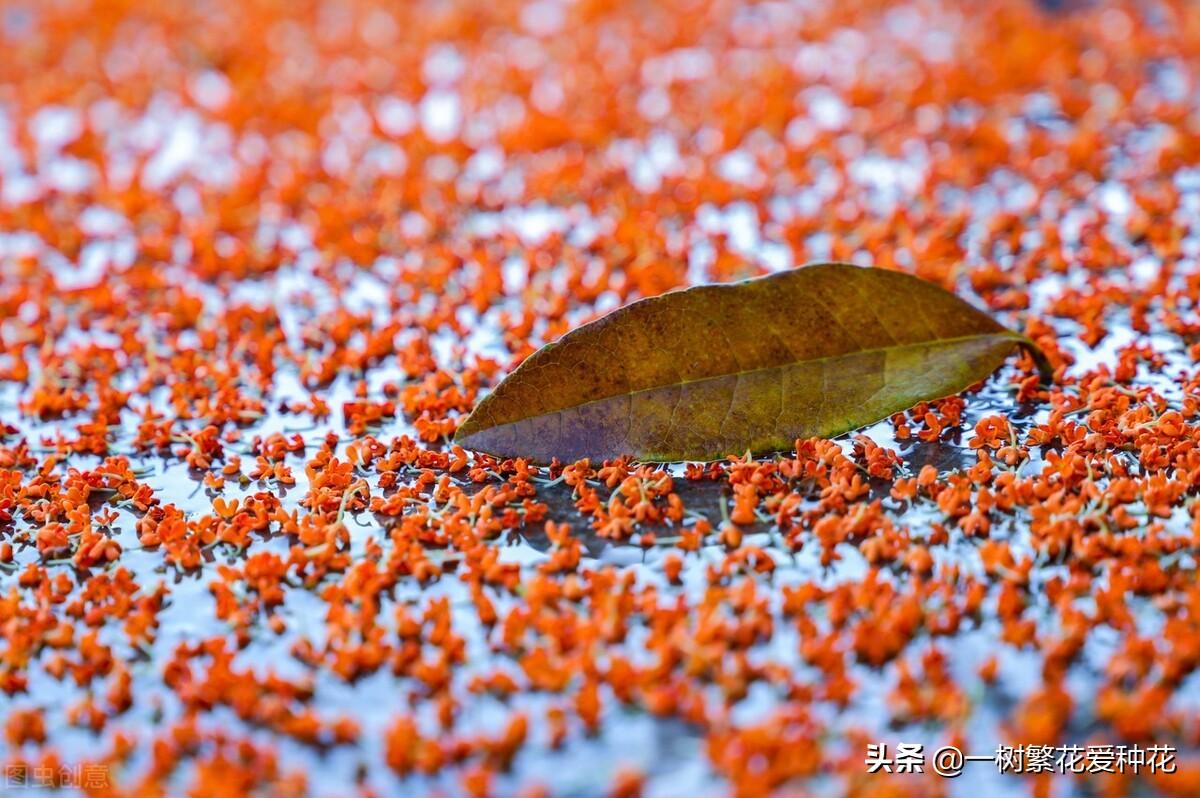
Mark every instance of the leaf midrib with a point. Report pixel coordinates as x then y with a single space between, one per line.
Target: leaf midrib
1016 338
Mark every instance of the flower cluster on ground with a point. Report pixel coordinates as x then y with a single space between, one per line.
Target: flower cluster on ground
258 260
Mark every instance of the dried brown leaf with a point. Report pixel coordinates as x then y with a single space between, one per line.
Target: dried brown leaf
715 370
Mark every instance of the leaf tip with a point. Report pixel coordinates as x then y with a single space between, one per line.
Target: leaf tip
462 436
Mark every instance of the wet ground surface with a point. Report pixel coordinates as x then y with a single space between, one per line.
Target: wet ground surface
253 275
